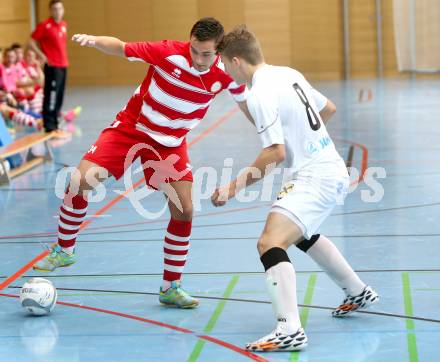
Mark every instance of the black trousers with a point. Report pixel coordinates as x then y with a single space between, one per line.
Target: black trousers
54 84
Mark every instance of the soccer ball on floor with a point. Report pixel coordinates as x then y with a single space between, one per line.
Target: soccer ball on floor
38 296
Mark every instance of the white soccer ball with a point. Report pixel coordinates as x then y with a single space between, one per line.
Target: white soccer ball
38 296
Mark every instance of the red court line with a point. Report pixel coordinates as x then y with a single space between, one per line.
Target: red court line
213 213
361 93
369 94
22 270
219 342
364 165
157 221
207 131
364 162
29 265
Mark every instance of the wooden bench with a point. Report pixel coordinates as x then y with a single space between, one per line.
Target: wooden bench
24 144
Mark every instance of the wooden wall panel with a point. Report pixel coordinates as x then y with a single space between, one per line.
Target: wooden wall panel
229 12
274 32
86 63
14 22
316 38
173 19
133 22
307 35
363 38
42 9
14 31
13 10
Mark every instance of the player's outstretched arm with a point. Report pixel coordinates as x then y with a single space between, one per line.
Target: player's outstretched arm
266 161
106 44
328 111
244 108
36 48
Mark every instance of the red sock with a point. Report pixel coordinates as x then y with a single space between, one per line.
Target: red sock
23 119
176 249
72 213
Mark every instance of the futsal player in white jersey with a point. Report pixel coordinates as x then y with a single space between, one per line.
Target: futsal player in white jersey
290 118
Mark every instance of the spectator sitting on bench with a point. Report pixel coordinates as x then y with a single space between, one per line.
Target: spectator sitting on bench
9 76
30 90
29 93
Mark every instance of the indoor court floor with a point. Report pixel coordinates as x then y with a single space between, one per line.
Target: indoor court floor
109 309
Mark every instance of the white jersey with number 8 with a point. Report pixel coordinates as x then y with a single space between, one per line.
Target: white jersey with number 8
286 108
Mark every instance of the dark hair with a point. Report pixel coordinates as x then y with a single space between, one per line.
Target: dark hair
242 43
53 2
16 46
8 50
208 29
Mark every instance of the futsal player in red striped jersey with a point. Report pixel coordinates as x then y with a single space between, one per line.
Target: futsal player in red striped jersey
181 83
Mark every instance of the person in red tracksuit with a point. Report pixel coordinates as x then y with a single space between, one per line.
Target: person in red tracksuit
49 41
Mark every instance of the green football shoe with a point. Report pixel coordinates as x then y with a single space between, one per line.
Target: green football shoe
56 259
176 296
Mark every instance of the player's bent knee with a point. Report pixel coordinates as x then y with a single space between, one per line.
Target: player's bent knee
88 176
261 246
305 244
185 214
268 241
80 184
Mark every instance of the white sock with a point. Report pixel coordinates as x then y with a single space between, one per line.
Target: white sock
281 285
24 119
68 250
24 104
328 257
165 285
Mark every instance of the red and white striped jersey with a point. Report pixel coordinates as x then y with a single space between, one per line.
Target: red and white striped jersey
174 97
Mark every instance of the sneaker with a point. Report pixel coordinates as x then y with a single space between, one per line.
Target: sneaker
176 296
278 342
353 303
56 259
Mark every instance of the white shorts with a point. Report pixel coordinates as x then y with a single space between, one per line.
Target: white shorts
308 201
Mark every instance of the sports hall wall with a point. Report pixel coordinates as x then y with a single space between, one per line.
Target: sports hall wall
307 35
15 22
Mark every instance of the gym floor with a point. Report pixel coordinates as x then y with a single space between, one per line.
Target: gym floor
109 308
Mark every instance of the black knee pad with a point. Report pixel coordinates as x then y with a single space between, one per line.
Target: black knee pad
274 256
305 244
